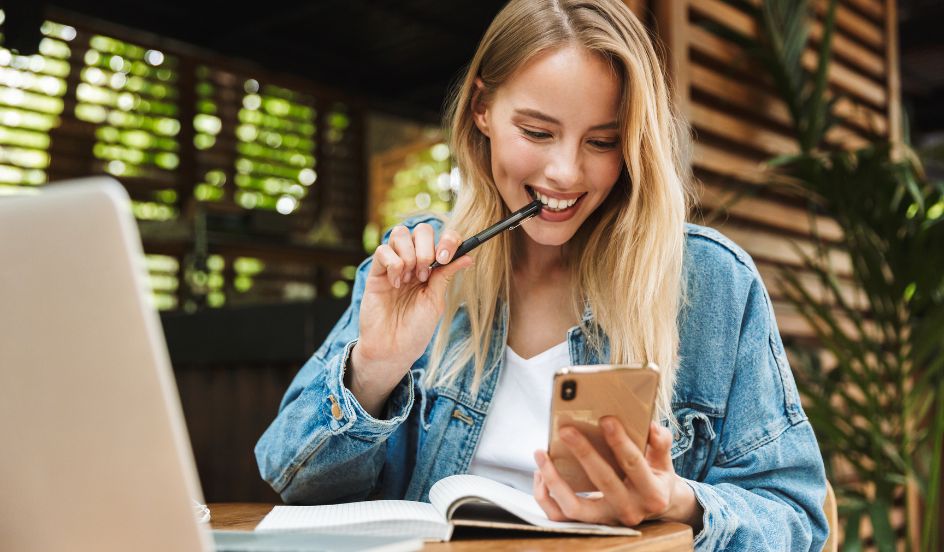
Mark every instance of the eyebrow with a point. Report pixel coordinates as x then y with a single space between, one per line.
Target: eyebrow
545 117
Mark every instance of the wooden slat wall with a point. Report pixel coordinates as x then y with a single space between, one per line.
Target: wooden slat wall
739 123
335 201
340 165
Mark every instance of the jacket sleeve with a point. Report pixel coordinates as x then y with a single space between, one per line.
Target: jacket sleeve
323 447
765 487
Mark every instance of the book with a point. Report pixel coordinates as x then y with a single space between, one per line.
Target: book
278 541
457 500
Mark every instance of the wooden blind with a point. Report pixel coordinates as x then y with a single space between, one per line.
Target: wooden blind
219 157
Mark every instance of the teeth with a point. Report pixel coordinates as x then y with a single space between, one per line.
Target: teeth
554 203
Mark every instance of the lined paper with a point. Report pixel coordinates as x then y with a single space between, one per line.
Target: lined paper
376 517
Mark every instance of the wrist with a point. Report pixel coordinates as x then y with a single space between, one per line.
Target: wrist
371 381
684 506
376 364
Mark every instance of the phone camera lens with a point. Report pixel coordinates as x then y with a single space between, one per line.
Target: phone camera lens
568 390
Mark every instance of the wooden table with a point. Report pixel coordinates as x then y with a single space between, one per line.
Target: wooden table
656 536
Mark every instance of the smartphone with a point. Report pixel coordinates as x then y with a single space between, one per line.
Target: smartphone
583 395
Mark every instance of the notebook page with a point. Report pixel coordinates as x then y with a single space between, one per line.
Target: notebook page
448 490
376 517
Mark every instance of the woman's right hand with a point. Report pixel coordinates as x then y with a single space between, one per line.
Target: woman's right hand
402 303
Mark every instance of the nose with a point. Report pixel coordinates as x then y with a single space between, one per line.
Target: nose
563 166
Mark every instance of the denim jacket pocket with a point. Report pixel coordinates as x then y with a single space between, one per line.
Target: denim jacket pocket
693 442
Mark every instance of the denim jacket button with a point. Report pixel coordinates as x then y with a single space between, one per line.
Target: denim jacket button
335 408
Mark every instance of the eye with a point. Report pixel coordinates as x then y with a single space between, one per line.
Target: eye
535 134
604 145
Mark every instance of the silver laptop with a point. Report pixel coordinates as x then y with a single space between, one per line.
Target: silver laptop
94 453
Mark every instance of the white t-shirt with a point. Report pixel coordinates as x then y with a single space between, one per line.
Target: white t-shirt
519 417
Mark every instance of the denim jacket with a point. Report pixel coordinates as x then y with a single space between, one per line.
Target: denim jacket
745 445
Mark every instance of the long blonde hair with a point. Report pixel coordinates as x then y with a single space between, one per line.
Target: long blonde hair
633 291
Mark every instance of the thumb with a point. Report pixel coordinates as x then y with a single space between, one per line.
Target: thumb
658 452
440 278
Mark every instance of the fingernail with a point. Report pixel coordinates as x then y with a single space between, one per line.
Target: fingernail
608 426
407 277
396 283
539 458
443 256
424 275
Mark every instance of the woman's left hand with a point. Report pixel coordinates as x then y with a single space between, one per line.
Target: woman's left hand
650 490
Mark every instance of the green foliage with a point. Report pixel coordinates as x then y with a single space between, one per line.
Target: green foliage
880 408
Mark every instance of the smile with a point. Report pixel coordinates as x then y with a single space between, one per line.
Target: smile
553 204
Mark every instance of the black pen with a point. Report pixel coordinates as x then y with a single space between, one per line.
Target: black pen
511 222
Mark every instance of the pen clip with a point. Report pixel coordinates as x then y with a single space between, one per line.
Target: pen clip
532 215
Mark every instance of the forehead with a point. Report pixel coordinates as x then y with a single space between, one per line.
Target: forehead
570 83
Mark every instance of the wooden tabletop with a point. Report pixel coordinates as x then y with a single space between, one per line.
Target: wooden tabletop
656 536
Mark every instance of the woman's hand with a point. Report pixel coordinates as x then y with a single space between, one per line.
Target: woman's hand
402 304
650 490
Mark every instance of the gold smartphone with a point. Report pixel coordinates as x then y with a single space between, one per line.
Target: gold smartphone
583 395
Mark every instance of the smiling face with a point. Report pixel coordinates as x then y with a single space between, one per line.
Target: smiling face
553 135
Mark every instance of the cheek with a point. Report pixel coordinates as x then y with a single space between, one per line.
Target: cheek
605 172
514 157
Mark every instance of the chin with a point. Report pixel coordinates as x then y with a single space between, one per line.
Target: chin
549 238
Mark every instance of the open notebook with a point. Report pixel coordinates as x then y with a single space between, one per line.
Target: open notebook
457 500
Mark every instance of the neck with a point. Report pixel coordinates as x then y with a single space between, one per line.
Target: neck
540 262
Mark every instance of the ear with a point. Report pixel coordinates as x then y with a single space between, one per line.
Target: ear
479 108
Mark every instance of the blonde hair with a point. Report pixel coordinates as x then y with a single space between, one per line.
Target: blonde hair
634 291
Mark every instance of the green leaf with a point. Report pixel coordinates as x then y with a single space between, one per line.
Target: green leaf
852 542
882 532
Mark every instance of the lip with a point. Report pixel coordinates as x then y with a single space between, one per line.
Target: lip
556 195
558 216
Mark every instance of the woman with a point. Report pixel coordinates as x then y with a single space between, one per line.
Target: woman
429 374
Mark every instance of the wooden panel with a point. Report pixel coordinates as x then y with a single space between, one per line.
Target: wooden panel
894 76
762 103
770 273
736 129
671 21
871 8
851 82
868 32
766 210
727 163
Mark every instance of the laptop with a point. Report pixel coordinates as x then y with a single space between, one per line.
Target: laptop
95 450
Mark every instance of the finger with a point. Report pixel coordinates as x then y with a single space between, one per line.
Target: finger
545 501
448 243
425 251
386 262
659 451
601 474
571 505
402 243
439 279
630 458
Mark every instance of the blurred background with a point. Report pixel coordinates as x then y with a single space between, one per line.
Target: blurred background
268 147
